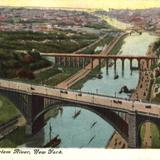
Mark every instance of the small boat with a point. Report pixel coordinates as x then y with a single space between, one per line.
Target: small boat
93 124
82 146
91 139
116 76
76 114
53 143
99 76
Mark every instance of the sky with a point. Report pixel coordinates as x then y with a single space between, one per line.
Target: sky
101 4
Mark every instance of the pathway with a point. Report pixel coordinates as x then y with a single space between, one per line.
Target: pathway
147 141
117 141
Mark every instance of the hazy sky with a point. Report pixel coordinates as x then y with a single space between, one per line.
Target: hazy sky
105 4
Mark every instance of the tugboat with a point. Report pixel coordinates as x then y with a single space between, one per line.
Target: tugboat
53 142
76 114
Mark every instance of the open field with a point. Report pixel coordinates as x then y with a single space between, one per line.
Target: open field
57 41
8 110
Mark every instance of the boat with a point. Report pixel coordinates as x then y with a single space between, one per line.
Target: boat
93 124
126 90
99 76
82 146
116 76
76 114
91 139
53 143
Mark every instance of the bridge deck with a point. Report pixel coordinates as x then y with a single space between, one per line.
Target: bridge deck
96 56
84 99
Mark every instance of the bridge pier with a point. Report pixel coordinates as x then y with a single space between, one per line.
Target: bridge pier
92 63
78 62
115 66
64 61
58 61
107 65
139 64
83 62
61 61
99 63
73 62
132 130
35 105
69 61
148 63
154 61
123 67
131 65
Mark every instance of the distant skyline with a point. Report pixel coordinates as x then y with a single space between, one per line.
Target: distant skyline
101 4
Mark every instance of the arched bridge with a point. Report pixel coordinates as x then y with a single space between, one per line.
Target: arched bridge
33 102
81 60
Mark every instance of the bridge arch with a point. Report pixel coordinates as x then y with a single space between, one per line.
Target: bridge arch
142 119
140 127
36 120
118 123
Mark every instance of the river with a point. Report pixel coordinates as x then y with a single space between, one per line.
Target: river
78 132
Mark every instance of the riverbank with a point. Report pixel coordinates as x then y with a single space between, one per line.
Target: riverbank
150 134
145 77
88 68
141 93
116 142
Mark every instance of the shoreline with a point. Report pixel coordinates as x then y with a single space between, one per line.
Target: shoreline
87 69
139 93
116 141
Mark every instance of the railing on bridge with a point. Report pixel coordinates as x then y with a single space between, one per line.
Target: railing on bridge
75 91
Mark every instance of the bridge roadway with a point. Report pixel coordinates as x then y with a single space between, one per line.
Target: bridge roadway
117 104
96 56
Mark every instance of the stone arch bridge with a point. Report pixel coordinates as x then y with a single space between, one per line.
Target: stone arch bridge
81 60
34 100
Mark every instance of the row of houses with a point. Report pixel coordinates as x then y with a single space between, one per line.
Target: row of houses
43 20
